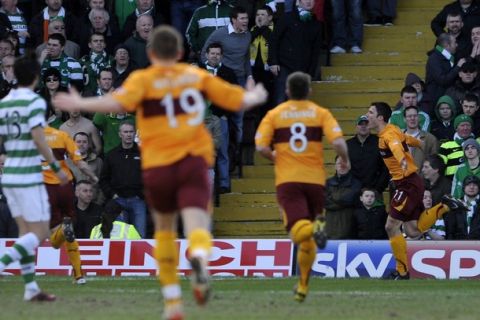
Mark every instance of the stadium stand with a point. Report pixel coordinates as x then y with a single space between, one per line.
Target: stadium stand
348 86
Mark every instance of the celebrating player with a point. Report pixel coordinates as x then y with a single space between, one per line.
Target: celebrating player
406 205
295 128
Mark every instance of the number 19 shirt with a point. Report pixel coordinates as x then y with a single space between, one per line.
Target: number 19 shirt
295 128
169 102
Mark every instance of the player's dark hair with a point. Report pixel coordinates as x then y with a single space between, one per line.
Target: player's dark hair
437 163
165 42
383 109
298 84
26 70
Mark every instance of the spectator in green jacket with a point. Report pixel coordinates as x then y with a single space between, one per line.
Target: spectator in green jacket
206 19
408 98
445 112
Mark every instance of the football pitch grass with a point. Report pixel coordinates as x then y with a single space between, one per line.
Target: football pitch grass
136 298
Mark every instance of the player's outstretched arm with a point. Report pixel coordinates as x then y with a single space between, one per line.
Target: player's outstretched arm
340 147
254 96
72 101
38 137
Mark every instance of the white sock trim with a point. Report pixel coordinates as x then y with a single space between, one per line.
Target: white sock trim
172 291
200 253
29 242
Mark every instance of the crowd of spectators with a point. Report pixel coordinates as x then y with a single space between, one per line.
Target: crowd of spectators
93 45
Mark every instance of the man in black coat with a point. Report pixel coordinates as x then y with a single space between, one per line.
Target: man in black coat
294 46
367 164
442 69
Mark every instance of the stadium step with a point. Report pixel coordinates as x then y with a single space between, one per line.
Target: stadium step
361 73
347 88
375 58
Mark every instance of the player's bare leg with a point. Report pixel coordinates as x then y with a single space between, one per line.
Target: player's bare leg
196 224
166 254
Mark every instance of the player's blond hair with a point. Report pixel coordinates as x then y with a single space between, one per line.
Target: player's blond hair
165 42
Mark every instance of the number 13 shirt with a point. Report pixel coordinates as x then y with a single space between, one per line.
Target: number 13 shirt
170 106
295 128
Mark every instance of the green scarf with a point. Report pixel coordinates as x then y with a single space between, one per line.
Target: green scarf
445 53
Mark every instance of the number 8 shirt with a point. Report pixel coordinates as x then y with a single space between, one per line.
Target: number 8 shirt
295 128
170 105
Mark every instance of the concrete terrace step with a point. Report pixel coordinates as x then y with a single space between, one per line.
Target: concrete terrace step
415 16
362 73
258 185
376 58
253 229
411 4
353 99
417 44
258 212
248 200
372 86
402 31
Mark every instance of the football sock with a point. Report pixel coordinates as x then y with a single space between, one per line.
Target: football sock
166 254
301 231
24 247
27 265
200 243
399 248
74 257
307 251
57 238
429 216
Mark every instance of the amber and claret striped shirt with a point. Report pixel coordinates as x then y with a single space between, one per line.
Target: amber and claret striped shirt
296 128
63 147
393 145
170 105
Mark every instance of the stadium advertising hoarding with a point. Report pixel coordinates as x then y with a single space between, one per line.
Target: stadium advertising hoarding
427 259
261 258
268 258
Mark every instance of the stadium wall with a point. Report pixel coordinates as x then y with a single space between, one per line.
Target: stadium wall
267 258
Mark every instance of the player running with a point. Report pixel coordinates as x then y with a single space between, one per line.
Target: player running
295 128
177 150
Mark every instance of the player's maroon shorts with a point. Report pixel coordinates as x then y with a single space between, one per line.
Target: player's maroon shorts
178 185
407 201
62 202
300 201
